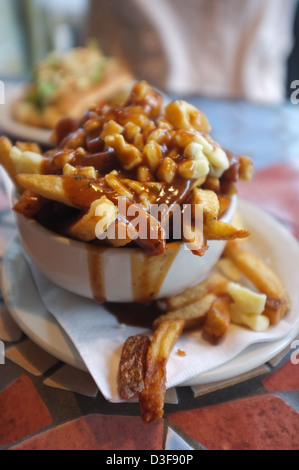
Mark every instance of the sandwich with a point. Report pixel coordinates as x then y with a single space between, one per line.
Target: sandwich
66 84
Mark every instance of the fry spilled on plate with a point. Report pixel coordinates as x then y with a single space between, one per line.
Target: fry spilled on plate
141 190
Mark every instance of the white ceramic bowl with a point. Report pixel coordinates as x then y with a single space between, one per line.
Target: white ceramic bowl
116 274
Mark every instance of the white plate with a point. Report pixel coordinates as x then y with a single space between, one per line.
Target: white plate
13 128
269 239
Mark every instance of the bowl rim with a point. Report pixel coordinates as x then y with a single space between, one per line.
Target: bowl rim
57 237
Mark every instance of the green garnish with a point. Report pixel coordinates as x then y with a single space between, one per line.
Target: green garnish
45 90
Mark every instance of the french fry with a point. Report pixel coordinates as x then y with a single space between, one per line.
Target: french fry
120 233
276 309
263 278
151 398
5 160
53 187
193 314
238 221
261 275
215 283
194 239
132 366
29 204
101 214
228 268
217 319
48 186
29 147
224 201
210 204
223 231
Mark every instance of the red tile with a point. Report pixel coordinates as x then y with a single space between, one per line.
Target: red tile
275 189
22 411
99 432
263 422
286 378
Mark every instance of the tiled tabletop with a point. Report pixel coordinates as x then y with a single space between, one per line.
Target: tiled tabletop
46 404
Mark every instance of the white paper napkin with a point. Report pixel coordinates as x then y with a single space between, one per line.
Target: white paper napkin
99 337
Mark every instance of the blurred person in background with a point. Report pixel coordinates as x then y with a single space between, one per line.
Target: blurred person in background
235 49
12 54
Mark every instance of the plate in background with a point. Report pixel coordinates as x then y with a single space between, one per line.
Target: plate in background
14 129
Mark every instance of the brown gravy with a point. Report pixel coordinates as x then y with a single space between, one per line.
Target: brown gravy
134 314
96 272
148 272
